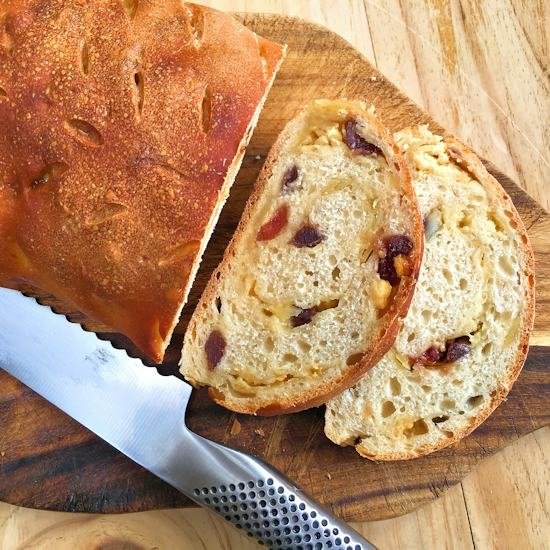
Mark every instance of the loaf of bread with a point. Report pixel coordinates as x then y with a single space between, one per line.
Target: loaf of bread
312 288
465 337
122 126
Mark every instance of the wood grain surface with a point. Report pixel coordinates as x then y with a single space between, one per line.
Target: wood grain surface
381 32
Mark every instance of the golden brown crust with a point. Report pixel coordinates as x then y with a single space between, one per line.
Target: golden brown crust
118 124
392 319
470 161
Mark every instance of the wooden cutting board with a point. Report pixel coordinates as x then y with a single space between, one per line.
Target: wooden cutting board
49 461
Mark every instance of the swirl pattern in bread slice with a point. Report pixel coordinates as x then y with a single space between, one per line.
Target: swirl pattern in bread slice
465 337
312 289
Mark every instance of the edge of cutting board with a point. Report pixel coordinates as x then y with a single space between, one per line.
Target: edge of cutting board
48 461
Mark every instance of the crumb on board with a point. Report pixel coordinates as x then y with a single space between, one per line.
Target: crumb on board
260 432
235 428
329 476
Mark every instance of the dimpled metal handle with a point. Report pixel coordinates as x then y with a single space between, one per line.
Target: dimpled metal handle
262 502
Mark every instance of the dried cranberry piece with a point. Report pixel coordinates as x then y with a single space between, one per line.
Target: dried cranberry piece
398 244
430 356
289 178
307 235
395 245
214 348
454 350
457 348
356 142
274 225
386 270
304 317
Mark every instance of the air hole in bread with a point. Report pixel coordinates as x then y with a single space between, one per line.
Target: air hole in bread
3 93
448 434
269 345
461 412
448 275
426 388
206 110
219 304
304 346
138 94
336 273
84 57
440 419
289 358
463 283
354 335
487 348
411 337
84 132
50 174
465 221
267 312
354 358
388 408
130 7
419 427
505 264
448 404
458 382
475 401
498 221
395 386
426 315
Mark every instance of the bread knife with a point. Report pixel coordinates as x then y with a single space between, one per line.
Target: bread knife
142 414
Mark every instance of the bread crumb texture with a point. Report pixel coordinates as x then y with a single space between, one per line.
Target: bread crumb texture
475 285
293 297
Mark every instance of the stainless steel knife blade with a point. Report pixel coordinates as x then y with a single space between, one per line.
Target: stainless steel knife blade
117 397
142 414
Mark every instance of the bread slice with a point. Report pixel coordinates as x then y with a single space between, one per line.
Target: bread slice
297 311
465 337
122 127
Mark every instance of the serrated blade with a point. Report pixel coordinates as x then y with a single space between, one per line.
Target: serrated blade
125 403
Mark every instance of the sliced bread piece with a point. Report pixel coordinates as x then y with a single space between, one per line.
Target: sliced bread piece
465 337
297 309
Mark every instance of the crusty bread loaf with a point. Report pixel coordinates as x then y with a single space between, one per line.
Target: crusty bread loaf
122 126
465 337
297 311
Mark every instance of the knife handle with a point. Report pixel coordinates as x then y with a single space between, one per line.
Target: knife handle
261 501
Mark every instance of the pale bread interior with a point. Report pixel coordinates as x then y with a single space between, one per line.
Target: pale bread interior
473 281
260 286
